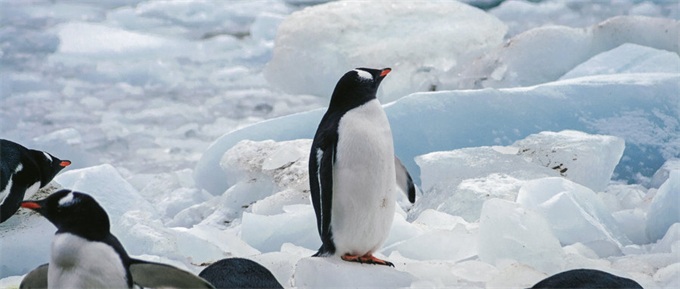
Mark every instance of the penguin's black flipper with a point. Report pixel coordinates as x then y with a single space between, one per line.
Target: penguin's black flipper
36 279
404 180
156 275
321 162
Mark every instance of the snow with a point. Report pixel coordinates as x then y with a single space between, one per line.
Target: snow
102 41
551 140
319 272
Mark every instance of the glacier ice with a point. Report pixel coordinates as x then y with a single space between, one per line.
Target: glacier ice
664 210
589 221
418 41
508 232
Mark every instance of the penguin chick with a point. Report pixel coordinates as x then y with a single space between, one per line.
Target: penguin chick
85 254
22 173
353 173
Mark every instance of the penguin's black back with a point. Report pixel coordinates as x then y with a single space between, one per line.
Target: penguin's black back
586 279
239 273
36 166
10 157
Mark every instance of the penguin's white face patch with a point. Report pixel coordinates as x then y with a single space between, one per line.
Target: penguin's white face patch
67 200
48 156
364 75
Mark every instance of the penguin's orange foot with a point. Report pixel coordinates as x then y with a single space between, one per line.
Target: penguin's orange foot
366 259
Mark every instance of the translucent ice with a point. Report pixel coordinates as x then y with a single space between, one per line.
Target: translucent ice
418 41
507 231
628 58
583 158
458 182
575 214
665 208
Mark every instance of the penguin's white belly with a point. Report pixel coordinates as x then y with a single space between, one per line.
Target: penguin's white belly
79 263
32 190
363 181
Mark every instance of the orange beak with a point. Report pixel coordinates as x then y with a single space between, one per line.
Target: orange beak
30 205
65 163
385 72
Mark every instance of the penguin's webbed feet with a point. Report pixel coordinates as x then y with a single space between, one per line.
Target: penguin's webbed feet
366 259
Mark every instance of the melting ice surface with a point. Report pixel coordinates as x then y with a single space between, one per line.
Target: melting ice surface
537 148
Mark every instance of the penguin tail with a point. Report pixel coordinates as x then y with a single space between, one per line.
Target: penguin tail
321 254
325 251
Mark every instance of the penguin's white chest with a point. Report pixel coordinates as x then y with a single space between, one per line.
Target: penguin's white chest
79 263
363 181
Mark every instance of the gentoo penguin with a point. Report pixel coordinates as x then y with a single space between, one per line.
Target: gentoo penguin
239 273
22 173
586 279
85 254
353 172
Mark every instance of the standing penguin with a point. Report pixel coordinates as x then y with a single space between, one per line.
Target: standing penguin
85 254
353 172
22 173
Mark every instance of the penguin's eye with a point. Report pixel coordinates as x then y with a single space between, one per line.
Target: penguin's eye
364 75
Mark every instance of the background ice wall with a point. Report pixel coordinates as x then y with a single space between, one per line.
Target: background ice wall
640 108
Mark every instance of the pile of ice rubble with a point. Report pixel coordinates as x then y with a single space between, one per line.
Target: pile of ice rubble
545 168
499 215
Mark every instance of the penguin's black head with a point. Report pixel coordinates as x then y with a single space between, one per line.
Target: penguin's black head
357 87
49 165
73 212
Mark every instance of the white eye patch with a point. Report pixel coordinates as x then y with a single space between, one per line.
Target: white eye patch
48 156
364 74
66 200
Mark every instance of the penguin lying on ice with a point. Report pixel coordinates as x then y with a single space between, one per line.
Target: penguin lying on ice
239 273
86 255
22 173
353 172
